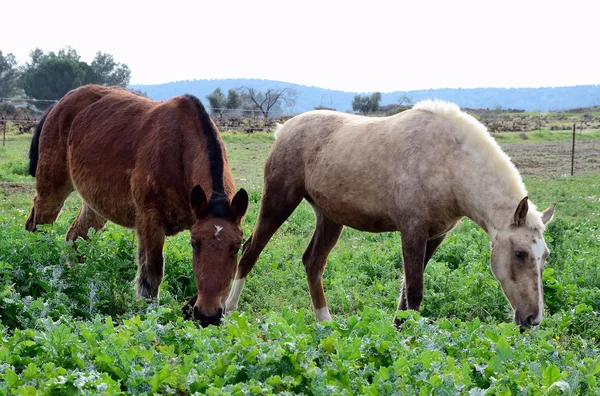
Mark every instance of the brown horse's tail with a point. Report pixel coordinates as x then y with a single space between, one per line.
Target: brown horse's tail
35 145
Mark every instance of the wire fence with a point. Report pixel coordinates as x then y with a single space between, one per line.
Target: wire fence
23 114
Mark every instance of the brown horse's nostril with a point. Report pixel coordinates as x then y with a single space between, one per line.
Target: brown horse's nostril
206 320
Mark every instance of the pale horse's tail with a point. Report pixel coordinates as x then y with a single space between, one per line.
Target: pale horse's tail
278 127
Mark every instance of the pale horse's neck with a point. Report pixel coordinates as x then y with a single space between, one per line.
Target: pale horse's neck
488 201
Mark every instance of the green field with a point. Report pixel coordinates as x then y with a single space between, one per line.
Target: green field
74 330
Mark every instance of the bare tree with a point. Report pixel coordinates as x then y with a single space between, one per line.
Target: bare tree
265 101
405 100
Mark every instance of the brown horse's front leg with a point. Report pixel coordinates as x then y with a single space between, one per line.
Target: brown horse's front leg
150 261
414 248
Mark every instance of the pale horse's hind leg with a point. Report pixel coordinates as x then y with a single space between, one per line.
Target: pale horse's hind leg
277 204
326 235
416 253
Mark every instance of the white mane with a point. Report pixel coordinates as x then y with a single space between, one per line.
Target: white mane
475 134
278 127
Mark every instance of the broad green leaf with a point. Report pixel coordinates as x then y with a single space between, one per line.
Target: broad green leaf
550 375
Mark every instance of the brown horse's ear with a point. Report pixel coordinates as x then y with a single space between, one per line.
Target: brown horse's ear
239 205
548 213
521 212
199 202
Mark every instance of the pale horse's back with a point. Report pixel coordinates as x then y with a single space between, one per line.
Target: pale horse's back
368 165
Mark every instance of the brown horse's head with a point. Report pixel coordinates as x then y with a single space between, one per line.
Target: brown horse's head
518 256
216 237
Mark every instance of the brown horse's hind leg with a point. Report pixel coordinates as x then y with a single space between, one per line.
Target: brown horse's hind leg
151 239
314 258
86 219
430 248
276 207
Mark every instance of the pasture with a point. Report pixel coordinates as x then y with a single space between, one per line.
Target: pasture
80 329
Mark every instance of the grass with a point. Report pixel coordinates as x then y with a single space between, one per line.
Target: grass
544 136
247 155
15 159
81 330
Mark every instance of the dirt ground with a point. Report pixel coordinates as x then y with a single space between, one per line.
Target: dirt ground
17 188
554 158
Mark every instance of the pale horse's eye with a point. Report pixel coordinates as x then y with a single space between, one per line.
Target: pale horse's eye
519 255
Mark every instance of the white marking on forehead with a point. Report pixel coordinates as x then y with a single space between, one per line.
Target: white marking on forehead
219 228
538 248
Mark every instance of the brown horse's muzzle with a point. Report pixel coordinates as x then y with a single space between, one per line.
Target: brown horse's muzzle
30 223
192 312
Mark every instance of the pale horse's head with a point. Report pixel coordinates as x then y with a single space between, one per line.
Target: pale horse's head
518 256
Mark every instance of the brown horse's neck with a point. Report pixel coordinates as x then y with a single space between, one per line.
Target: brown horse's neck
221 182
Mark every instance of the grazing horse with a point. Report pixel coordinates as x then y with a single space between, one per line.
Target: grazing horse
140 164
418 172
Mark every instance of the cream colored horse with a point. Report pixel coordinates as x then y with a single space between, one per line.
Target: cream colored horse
418 172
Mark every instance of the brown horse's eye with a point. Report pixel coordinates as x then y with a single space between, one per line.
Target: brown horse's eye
195 246
521 255
235 250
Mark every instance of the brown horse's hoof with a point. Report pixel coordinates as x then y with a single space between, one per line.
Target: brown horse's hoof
398 323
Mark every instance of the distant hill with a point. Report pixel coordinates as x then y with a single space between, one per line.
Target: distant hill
530 99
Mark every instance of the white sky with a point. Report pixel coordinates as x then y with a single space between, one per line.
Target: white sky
349 45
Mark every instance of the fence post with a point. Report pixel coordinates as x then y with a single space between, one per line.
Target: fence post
4 122
573 151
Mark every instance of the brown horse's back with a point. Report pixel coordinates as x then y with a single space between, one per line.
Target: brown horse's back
142 152
123 152
52 176
102 151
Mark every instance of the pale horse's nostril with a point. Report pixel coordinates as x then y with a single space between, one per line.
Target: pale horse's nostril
531 320
220 312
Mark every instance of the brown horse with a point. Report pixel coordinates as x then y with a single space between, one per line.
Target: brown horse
418 172
140 164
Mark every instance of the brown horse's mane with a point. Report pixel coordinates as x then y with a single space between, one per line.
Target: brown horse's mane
218 204
35 143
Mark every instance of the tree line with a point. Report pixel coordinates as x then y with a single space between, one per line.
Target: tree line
48 76
250 99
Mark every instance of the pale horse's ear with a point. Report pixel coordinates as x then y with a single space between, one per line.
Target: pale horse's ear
548 214
521 212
